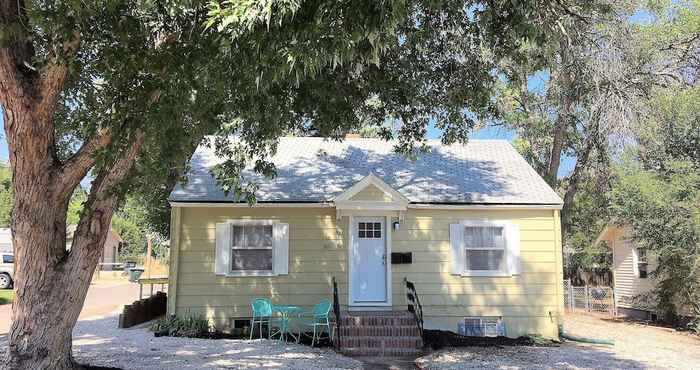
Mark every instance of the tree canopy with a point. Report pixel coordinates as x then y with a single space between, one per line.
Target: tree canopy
657 192
127 89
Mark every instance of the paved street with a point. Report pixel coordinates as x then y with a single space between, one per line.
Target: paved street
103 298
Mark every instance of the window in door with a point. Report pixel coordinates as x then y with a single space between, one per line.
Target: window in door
369 230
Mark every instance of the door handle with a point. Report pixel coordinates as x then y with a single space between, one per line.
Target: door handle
384 259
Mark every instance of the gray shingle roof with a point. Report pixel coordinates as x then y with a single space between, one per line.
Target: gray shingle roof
317 170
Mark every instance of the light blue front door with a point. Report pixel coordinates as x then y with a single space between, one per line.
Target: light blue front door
369 260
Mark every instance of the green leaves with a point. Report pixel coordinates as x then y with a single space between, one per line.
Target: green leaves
257 70
240 16
658 193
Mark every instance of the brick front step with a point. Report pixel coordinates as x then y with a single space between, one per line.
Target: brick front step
376 321
379 334
381 342
379 331
384 352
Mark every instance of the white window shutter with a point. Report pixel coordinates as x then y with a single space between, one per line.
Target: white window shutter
635 260
280 254
456 236
223 248
513 249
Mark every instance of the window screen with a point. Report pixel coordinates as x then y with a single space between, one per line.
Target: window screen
251 248
642 263
485 248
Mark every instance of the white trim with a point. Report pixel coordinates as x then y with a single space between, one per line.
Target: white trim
371 179
350 246
387 259
250 274
484 206
488 223
333 205
387 265
371 205
256 205
358 308
250 221
254 273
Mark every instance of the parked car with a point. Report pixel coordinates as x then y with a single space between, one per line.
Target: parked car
7 269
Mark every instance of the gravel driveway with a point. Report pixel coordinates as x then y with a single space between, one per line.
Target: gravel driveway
636 347
99 342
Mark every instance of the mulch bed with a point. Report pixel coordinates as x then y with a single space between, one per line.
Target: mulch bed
437 339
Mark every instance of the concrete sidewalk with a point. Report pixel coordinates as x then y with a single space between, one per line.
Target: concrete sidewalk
104 297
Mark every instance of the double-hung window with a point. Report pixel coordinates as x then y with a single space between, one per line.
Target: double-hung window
642 263
251 248
485 249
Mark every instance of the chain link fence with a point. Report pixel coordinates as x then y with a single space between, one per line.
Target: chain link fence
589 299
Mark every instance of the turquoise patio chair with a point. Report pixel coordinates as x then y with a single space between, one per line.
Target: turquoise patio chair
262 314
318 319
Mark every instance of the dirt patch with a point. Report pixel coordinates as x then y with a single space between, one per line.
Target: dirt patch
438 339
659 347
637 346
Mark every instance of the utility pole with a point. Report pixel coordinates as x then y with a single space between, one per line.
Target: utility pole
148 255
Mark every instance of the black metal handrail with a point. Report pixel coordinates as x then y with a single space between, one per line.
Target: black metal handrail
414 305
336 312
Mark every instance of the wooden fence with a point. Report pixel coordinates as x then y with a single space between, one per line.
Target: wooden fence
143 310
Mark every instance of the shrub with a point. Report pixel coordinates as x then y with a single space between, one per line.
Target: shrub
190 326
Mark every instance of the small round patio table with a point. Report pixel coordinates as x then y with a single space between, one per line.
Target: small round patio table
285 312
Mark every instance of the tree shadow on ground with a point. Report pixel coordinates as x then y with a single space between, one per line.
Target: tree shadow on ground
98 342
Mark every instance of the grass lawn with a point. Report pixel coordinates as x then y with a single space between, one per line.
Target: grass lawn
6 296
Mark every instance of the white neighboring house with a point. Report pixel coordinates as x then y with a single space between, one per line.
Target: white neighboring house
110 252
5 240
631 268
6 259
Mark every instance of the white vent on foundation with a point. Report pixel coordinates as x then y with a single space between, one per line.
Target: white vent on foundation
482 326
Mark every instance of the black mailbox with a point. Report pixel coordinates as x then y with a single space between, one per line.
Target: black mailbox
398 258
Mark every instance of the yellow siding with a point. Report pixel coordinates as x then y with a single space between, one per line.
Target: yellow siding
371 193
529 303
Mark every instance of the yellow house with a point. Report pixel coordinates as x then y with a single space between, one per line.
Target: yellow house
472 226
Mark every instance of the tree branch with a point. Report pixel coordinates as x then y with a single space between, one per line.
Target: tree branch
118 172
103 199
78 165
53 76
15 53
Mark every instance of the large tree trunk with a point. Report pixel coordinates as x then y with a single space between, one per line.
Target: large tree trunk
50 282
563 117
